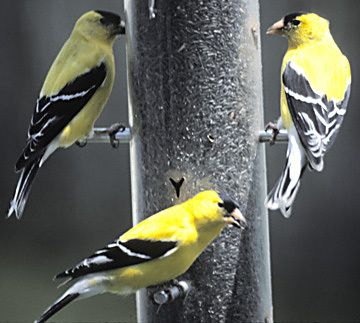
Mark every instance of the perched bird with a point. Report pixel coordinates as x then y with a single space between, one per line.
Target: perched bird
74 93
315 89
156 250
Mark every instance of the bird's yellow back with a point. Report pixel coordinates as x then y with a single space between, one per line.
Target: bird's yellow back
192 224
183 222
88 39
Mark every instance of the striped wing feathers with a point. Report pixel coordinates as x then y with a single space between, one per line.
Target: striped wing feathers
317 117
52 114
120 254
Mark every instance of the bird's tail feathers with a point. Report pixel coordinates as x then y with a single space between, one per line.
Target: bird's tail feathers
57 306
88 286
17 204
283 194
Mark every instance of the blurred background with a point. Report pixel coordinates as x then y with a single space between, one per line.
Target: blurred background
81 200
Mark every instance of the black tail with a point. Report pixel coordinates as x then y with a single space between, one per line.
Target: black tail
17 205
57 306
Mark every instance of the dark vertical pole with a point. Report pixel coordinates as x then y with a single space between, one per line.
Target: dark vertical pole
195 111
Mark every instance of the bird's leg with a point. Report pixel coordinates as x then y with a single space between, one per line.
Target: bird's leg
173 282
170 291
275 131
81 143
111 131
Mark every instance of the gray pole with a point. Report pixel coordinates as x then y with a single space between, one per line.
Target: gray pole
195 98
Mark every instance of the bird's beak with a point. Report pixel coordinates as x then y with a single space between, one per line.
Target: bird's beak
120 29
236 219
277 28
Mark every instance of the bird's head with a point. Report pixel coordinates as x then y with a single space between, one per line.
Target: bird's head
103 26
216 208
300 28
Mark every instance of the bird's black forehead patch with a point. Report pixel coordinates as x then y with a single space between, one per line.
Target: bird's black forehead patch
229 204
109 18
292 16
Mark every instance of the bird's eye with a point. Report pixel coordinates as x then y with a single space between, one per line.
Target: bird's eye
221 204
296 22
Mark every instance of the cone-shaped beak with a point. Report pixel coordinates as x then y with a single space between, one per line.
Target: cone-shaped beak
277 28
120 29
236 219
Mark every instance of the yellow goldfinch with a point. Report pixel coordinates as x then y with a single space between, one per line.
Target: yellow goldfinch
315 90
156 250
74 93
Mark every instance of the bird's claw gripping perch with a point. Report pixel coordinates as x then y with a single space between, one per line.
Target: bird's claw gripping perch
275 132
81 143
169 294
112 130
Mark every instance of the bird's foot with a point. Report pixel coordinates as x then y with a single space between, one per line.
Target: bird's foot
170 291
275 132
112 131
81 143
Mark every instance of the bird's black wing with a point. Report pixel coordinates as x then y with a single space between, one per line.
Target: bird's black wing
316 118
52 114
121 254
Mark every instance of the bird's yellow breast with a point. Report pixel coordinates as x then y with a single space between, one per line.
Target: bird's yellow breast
130 279
83 123
178 224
